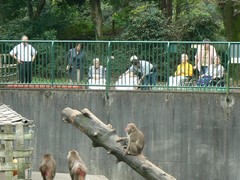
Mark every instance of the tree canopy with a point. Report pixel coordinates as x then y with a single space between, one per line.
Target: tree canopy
120 19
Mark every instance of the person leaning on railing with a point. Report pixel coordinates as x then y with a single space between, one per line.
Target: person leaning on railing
25 54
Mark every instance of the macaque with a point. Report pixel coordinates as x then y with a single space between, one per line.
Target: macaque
77 167
48 167
135 140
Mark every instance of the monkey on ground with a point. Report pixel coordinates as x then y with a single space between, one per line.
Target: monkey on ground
77 167
48 167
135 140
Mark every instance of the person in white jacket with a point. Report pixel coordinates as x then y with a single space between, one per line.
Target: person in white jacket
96 75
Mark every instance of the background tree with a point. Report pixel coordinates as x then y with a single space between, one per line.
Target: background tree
116 19
97 17
230 10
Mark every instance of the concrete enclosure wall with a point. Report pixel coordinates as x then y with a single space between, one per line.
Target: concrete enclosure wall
189 135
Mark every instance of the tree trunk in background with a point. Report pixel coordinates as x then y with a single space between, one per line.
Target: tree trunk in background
231 18
33 15
169 9
166 7
97 17
163 6
177 8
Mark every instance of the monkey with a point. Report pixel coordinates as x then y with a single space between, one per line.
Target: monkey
135 140
77 167
48 167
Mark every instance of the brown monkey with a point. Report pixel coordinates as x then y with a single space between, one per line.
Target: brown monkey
48 167
135 140
77 167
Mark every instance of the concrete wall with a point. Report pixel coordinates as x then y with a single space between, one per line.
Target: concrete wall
190 135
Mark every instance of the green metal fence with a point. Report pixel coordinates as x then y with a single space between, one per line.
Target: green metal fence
49 67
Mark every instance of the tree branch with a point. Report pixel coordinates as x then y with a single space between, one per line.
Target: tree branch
105 136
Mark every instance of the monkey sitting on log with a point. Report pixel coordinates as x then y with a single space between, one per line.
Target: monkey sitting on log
48 167
77 167
135 140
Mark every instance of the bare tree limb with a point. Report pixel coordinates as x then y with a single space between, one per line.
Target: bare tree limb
105 136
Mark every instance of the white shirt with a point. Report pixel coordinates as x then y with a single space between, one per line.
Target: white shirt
144 69
23 52
216 70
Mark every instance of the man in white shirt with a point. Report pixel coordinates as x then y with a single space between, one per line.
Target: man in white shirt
146 69
25 54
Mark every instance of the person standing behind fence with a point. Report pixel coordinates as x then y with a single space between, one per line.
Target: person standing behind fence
146 69
25 54
96 75
76 58
204 56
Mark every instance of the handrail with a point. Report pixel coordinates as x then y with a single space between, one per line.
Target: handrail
51 65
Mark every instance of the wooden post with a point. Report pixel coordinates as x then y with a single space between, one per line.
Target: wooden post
8 152
20 146
13 147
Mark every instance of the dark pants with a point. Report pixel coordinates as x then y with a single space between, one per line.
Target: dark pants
151 79
25 72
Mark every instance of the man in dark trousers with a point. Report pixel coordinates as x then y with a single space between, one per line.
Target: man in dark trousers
76 62
25 54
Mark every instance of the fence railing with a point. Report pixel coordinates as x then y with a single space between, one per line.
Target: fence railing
49 66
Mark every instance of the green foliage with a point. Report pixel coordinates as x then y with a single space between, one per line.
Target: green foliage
199 23
133 20
147 23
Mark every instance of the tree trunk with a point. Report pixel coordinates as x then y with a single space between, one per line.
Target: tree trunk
103 135
177 8
231 18
164 6
97 17
33 15
169 9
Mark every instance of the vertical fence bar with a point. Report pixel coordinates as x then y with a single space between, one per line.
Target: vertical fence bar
52 63
228 68
108 79
168 57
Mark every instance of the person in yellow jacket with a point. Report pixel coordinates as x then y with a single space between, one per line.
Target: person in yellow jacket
185 68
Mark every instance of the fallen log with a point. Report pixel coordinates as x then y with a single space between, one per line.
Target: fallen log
105 136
